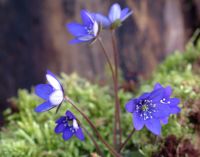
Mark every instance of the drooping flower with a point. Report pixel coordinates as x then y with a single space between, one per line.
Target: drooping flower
148 110
68 126
85 32
115 17
52 93
166 100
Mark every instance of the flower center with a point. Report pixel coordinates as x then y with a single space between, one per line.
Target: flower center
145 109
89 30
72 124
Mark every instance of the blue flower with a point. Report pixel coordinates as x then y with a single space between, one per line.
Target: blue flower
85 32
115 17
52 93
166 100
148 110
68 126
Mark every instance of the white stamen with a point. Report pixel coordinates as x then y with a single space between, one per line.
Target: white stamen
75 124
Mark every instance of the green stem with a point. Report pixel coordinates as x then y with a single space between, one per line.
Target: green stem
110 148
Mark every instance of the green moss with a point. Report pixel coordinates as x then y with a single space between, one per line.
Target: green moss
29 134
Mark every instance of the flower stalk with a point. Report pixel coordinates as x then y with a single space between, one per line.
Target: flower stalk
117 129
127 139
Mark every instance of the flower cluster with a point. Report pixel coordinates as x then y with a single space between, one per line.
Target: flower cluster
92 22
152 109
53 94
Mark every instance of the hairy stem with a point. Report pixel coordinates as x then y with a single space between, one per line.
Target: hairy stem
107 58
118 131
110 148
127 139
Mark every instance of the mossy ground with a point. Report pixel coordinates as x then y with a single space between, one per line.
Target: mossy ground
29 134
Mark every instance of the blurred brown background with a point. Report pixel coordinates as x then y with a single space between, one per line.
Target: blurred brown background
33 38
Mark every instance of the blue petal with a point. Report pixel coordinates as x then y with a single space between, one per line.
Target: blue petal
156 95
70 115
162 111
168 92
76 29
174 102
144 96
67 134
164 120
124 12
157 86
175 110
75 41
44 107
103 20
115 12
43 90
86 18
61 119
137 121
154 126
125 16
59 128
79 134
130 105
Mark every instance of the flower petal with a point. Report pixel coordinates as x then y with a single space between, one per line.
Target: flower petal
79 134
175 110
86 18
154 126
115 12
59 128
44 107
43 90
70 115
85 38
95 28
51 78
130 105
67 134
76 29
156 95
125 14
157 86
138 123
61 119
56 97
168 91
103 20
144 96
162 111
164 120
75 41
174 102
